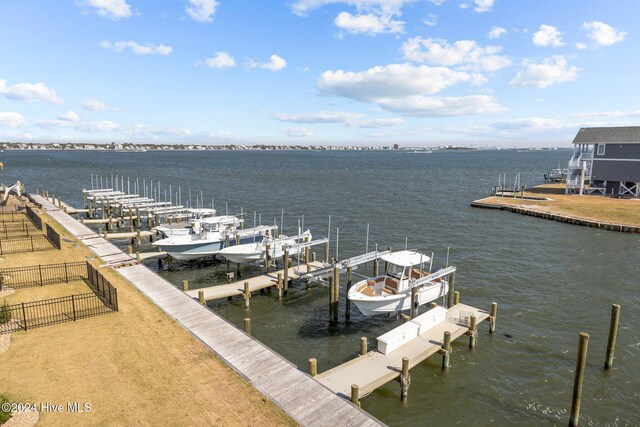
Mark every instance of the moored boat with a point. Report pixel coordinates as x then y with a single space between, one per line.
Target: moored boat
190 226
391 292
256 251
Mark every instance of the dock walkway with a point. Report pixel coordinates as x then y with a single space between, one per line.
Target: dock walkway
375 369
307 401
255 283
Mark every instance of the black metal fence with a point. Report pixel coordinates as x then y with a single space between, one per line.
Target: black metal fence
34 217
53 237
102 288
35 314
24 228
41 275
25 244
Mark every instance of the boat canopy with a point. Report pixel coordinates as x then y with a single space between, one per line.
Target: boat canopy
405 258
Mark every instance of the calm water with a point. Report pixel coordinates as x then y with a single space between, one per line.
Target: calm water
550 280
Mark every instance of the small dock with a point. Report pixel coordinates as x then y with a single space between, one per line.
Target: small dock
129 235
255 283
374 369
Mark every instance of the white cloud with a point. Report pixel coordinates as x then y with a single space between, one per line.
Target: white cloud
368 23
431 20
296 132
376 123
69 116
112 9
603 34
221 60
635 113
529 123
404 88
275 63
551 71
372 17
464 53
548 35
429 106
30 92
12 120
581 46
437 2
392 80
202 10
319 117
497 32
483 5
136 48
94 105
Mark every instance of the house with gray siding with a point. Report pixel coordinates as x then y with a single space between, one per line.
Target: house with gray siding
606 160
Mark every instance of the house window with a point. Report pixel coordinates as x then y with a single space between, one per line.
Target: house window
601 148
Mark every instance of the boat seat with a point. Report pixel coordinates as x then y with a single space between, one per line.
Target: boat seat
391 285
416 273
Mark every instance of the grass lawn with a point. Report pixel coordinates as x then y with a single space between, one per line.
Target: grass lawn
134 367
592 207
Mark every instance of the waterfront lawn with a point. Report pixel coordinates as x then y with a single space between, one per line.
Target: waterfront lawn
134 367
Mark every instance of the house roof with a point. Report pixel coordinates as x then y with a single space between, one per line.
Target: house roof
621 135
405 258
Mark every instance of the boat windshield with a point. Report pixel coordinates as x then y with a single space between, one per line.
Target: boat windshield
397 272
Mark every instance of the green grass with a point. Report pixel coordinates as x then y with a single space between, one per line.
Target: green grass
4 416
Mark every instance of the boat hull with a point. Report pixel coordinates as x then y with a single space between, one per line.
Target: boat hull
371 306
196 248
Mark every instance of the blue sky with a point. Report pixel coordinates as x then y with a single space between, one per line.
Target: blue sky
345 72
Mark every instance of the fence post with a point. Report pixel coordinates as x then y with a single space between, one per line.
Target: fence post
66 273
32 250
1 253
73 305
24 317
40 271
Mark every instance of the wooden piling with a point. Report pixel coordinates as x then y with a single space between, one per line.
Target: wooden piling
130 220
247 325
414 302
354 395
331 297
138 222
492 317
266 258
313 367
613 335
313 257
201 298
456 298
238 241
446 350
279 286
185 285
452 288
583 345
130 250
138 238
247 295
473 335
347 309
363 346
138 256
336 293
404 379
376 263
306 255
326 251
285 279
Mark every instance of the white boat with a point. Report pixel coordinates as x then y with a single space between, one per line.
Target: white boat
256 251
391 292
558 174
190 226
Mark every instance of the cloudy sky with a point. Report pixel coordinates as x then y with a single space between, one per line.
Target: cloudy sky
360 72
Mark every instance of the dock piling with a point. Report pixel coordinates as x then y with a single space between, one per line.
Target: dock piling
576 399
313 367
267 259
247 325
354 395
613 335
414 302
336 293
452 288
185 285
201 298
473 334
247 295
446 350
285 279
279 286
405 379
492 317
456 298
347 310
363 346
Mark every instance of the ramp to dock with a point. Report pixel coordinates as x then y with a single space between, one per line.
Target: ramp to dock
299 395
375 369
255 283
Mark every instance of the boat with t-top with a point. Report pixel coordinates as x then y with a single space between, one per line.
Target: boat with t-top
391 292
256 251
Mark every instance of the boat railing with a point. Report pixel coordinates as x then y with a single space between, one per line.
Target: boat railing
431 277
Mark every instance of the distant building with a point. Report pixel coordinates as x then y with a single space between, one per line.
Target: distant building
605 160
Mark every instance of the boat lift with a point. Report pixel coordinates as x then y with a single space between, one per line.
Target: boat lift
342 265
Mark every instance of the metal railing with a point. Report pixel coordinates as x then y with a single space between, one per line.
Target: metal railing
102 288
53 237
41 275
34 217
24 244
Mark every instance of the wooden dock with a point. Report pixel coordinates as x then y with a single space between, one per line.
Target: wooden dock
375 369
296 393
255 283
129 235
